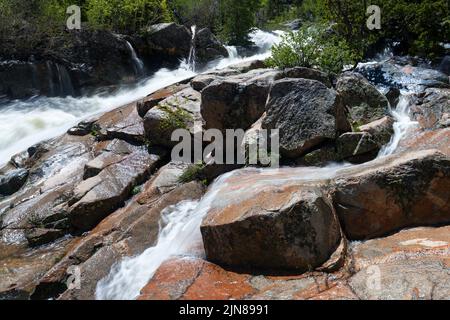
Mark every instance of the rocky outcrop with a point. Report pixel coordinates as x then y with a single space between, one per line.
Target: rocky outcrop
127 232
71 63
410 264
392 193
306 113
364 101
97 197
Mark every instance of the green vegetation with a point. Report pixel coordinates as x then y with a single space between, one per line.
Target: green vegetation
420 27
176 118
312 46
192 172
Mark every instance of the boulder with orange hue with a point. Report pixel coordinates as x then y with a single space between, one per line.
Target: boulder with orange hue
278 226
388 194
412 264
192 278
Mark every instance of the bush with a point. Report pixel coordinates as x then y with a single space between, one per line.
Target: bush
313 46
419 26
126 16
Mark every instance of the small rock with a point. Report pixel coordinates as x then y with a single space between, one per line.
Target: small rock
40 236
357 147
12 181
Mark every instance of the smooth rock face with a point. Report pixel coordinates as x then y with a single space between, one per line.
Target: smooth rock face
365 102
238 101
21 269
412 264
100 195
307 114
179 111
391 193
409 265
282 227
12 181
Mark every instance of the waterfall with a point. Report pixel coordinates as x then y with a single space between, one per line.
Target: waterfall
191 62
26 122
138 64
65 83
179 230
403 124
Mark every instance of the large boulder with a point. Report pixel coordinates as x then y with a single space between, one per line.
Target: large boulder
388 194
207 46
364 101
381 130
306 112
236 102
274 226
166 41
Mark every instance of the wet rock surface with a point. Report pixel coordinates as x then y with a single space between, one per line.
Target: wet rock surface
285 233
307 114
409 265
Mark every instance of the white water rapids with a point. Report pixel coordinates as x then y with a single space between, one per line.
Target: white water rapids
180 224
24 123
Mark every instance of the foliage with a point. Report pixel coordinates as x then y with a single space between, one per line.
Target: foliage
192 172
238 18
203 14
419 26
313 46
126 16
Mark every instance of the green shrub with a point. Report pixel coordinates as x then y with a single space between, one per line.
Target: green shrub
192 172
126 16
313 46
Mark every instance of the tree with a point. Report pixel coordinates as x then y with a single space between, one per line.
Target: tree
238 19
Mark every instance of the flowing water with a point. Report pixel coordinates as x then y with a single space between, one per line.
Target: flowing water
138 63
24 123
180 224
